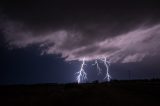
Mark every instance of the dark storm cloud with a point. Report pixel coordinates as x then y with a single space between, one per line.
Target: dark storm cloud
123 33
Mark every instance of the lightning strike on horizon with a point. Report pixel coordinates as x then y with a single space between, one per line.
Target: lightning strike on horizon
106 63
82 75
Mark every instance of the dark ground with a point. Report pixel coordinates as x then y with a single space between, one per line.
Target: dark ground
115 93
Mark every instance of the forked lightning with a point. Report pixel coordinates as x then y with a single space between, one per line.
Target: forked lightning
82 75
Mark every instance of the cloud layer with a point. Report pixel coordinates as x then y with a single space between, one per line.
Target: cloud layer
121 32
91 42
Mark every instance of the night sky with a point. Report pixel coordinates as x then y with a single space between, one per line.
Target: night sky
45 42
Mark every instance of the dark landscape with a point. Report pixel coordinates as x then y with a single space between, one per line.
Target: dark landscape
114 93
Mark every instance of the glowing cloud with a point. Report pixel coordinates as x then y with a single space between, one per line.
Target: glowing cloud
131 46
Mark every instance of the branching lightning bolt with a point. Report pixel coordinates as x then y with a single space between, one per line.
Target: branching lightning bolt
82 75
106 63
98 68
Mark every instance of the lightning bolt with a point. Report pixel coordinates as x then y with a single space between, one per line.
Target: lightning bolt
82 75
107 64
98 68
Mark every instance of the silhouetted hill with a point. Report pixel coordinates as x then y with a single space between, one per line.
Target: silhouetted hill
120 93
